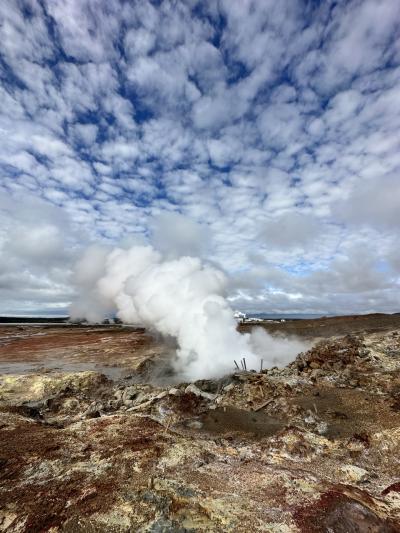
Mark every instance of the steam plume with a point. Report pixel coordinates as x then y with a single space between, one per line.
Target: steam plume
181 298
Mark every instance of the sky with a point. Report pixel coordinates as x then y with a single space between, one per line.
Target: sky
262 136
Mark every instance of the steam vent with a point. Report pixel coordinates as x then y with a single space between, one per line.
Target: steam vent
199 266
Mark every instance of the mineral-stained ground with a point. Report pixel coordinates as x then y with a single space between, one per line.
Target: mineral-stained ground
88 443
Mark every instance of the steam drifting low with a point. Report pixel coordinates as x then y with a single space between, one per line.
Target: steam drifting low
180 298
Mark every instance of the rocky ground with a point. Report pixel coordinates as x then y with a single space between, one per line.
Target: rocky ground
313 447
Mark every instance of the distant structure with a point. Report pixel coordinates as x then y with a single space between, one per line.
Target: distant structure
242 318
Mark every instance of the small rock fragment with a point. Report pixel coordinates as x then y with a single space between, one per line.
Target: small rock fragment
197 392
354 474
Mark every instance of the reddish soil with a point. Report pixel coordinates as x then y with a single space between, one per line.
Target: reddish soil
31 342
27 348
31 447
330 326
339 512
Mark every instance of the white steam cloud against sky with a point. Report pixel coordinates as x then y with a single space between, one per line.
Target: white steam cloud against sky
259 136
179 298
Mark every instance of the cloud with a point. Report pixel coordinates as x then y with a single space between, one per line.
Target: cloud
175 236
273 124
37 250
374 203
291 230
265 131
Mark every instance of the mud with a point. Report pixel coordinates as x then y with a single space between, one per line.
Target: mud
347 411
229 420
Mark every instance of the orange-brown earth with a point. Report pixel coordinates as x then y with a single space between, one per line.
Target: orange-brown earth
330 326
313 447
113 350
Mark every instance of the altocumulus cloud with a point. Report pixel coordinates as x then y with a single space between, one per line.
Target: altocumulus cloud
261 135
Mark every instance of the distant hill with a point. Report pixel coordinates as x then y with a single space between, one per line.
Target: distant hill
33 319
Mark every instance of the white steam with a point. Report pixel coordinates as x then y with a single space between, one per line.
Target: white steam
181 298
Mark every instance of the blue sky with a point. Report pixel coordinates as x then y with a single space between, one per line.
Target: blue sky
261 135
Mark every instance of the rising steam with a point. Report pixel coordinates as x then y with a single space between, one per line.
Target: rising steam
180 298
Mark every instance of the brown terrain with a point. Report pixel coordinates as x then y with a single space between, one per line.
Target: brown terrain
330 326
91 442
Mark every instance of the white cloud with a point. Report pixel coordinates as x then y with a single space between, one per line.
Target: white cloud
37 250
272 124
85 133
374 203
175 236
138 42
291 230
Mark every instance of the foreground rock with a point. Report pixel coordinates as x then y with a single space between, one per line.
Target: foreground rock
310 448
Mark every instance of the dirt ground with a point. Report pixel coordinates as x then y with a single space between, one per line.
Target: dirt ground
313 447
113 350
329 326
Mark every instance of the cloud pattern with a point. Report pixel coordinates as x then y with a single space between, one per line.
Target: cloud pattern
272 126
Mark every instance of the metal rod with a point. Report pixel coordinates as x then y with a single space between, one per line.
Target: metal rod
244 362
261 366
241 363
237 366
